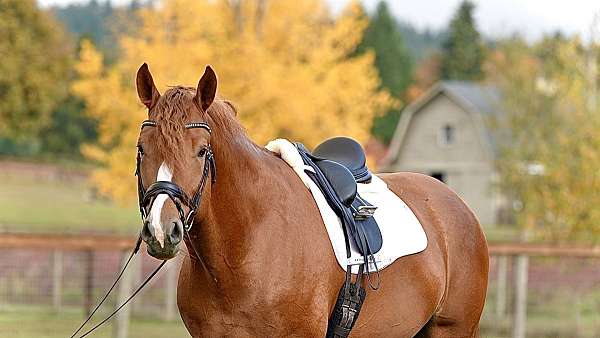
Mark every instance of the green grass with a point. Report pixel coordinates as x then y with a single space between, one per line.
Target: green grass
563 313
38 204
501 233
42 322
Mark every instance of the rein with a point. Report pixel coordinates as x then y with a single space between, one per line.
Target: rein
145 200
133 253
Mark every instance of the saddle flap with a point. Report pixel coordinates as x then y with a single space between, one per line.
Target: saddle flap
367 230
341 180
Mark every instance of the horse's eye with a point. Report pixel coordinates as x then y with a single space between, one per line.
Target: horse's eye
202 152
140 149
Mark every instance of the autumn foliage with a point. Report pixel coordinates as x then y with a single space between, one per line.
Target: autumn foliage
288 66
34 67
548 136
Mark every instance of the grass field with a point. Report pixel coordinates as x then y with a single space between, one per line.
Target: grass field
41 322
36 203
563 313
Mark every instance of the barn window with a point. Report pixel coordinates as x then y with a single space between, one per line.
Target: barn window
439 175
447 135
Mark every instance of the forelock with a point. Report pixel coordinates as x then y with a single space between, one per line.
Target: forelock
174 109
170 114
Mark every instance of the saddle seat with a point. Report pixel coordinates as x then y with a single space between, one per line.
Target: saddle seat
348 153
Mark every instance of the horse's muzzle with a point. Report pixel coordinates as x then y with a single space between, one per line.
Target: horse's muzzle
173 235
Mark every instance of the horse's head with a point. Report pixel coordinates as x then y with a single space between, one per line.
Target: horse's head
174 159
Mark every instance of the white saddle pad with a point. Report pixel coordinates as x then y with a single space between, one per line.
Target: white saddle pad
401 230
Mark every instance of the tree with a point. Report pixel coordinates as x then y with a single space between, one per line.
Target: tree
34 68
68 130
100 22
548 136
421 44
287 65
393 61
463 50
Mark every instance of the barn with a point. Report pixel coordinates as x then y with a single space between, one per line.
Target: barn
446 133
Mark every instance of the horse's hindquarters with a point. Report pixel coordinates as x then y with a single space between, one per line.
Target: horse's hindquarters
439 292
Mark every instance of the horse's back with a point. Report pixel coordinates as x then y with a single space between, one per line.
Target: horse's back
442 288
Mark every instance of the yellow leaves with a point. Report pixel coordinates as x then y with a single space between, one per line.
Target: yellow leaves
34 70
90 60
287 66
551 122
344 34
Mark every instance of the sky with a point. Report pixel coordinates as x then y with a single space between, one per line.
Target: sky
495 18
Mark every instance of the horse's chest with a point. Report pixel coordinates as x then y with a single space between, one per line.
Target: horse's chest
260 315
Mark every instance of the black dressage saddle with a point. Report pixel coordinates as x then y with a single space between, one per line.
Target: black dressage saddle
342 163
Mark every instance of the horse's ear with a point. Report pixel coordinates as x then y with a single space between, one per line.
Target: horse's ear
207 88
146 89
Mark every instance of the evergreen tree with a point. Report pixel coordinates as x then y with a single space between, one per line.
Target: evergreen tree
463 49
68 130
101 22
393 62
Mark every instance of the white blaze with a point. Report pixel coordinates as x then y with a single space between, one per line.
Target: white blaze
164 174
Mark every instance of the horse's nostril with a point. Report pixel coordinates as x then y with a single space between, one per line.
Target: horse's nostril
175 235
146 233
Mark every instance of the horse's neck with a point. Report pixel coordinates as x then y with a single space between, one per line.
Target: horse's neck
236 204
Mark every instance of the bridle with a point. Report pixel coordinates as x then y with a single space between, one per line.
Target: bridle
174 191
146 199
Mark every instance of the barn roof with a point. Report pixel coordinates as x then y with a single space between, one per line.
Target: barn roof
484 98
482 101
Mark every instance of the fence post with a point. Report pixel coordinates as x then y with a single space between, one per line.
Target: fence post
121 323
171 290
57 279
520 306
501 286
88 293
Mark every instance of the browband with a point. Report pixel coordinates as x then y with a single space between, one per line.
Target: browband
148 123
192 125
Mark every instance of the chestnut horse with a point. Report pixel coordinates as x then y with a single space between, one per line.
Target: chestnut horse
260 262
